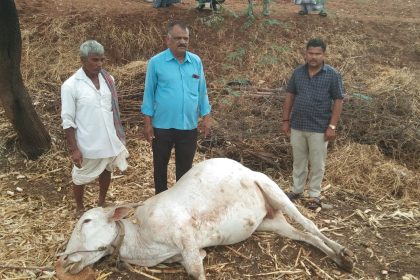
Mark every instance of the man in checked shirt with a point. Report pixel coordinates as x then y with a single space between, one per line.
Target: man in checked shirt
310 115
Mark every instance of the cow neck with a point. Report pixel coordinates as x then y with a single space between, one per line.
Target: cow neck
115 246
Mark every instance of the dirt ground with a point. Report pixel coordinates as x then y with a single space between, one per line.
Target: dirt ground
382 231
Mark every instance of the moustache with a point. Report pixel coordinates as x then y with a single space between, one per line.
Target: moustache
182 45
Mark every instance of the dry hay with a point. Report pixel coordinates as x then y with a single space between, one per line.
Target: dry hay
363 169
387 115
246 128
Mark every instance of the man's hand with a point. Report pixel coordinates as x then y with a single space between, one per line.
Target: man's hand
204 126
148 129
148 132
77 158
286 128
76 155
329 134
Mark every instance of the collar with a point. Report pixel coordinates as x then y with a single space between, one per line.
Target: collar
169 56
81 75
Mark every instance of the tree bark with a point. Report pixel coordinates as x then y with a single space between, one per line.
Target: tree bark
33 137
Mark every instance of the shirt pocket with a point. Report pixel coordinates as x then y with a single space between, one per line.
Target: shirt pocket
193 86
106 102
85 100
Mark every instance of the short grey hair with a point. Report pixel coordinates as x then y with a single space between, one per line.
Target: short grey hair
91 47
174 23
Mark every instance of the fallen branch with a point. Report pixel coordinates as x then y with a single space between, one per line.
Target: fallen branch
238 253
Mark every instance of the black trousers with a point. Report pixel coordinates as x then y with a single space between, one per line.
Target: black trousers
185 143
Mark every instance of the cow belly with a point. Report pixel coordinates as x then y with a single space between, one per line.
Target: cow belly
237 224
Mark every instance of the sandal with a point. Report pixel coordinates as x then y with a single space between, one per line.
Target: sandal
293 196
323 13
302 13
314 203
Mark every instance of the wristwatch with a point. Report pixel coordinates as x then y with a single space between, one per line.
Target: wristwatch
332 126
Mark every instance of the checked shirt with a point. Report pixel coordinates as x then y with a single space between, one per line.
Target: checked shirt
312 106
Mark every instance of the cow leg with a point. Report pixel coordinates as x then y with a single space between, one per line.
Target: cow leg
279 225
193 263
280 203
179 259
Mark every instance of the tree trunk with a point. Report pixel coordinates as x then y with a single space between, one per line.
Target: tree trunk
33 137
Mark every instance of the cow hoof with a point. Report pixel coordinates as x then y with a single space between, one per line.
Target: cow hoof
346 258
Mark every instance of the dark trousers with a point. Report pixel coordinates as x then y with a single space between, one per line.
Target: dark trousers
185 143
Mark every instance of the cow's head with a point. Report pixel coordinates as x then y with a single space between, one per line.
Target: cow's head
95 235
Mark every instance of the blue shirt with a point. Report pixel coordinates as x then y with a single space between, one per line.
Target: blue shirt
175 94
312 106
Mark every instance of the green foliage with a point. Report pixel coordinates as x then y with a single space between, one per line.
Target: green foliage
232 92
227 67
266 24
280 49
237 56
214 21
249 22
268 60
270 21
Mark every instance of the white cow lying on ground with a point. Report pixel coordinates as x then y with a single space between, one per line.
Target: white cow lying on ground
217 202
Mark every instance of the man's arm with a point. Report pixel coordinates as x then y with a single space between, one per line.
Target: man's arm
335 116
76 155
287 108
204 105
205 125
148 101
148 128
337 94
68 115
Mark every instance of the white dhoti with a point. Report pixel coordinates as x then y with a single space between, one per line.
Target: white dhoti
92 168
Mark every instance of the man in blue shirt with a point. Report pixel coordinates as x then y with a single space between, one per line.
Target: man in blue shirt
175 96
311 112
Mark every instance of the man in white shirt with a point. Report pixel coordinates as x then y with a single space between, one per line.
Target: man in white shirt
90 118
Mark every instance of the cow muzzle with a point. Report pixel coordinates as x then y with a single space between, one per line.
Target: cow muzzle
75 261
72 264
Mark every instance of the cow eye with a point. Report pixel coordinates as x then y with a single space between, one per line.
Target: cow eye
87 221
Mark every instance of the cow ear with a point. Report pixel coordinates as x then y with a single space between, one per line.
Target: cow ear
118 213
